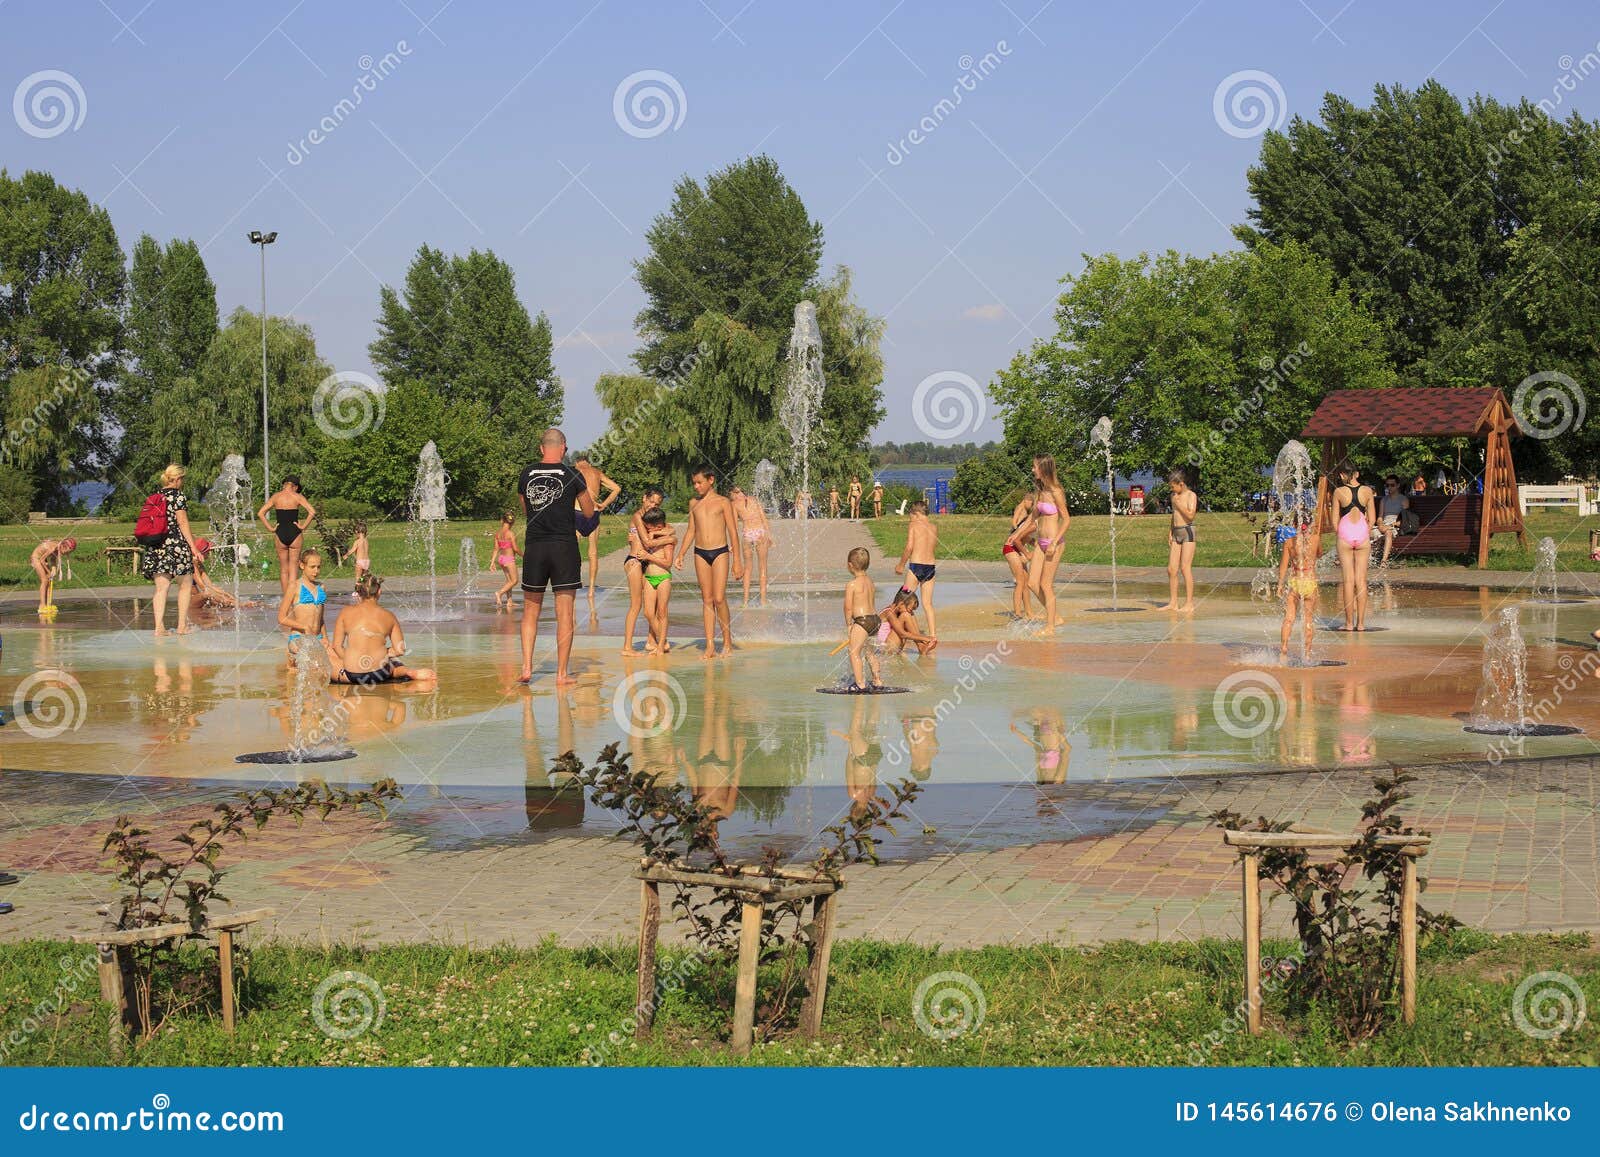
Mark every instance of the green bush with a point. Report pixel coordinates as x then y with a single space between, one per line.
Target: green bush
991 483
337 508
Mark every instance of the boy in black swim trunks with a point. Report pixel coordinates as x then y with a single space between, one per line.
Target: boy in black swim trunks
861 622
712 534
922 541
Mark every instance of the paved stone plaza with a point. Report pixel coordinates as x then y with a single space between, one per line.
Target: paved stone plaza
1517 848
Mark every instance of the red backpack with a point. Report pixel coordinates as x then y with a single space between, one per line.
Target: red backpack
151 528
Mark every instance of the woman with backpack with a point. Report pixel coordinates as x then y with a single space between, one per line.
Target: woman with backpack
169 551
285 507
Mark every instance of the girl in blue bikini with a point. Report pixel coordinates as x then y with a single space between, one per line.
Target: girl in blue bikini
302 609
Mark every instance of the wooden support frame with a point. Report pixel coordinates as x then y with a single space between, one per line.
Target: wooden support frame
115 964
757 893
1411 848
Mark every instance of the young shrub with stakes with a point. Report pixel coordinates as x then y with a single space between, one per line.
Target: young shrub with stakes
1349 934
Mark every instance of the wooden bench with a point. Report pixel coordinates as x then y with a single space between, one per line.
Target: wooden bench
1448 524
1572 494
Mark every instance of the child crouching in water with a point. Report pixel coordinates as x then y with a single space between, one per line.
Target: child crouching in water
860 620
900 626
657 577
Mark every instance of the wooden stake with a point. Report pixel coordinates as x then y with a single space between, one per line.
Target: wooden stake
108 959
225 967
1408 940
822 915
1252 942
744 998
644 1004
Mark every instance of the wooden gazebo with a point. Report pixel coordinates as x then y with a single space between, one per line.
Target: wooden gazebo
1458 524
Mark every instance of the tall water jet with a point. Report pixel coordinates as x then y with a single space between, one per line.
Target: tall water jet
798 411
467 567
228 505
426 511
1293 500
1544 572
764 486
1101 436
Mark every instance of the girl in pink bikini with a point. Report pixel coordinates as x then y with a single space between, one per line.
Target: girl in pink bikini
1355 504
1049 520
506 553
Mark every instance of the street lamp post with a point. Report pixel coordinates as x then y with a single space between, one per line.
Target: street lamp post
258 238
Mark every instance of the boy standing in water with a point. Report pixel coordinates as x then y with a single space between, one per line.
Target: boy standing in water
712 534
1180 552
922 541
861 622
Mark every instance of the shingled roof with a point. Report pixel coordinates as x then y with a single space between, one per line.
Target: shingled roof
1432 412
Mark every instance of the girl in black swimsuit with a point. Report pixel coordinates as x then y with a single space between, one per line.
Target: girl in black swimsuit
287 505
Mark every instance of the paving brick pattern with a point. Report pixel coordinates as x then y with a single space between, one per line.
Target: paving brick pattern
1517 848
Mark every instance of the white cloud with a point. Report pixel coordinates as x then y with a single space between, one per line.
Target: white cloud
991 312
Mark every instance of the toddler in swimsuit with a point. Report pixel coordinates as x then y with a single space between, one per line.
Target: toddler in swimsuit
656 560
861 622
1297 585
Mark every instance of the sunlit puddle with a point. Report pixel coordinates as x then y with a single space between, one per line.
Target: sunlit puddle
1016 738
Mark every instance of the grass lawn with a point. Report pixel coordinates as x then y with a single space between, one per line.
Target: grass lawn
1224 540
1122 1004
391 555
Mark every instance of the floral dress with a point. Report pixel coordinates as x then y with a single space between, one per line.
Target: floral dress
172 557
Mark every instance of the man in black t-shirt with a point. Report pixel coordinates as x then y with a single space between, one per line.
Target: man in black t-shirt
550 555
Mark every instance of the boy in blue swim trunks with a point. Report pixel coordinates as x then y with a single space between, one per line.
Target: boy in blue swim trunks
917 560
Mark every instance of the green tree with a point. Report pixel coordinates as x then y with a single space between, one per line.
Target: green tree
741 246
1414 201
202 419
378 466
62 282
171 324
460 330
852 369
1211 363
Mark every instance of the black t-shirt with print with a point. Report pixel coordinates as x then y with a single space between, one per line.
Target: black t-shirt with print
548 491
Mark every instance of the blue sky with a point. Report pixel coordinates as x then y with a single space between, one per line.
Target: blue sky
1093 130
